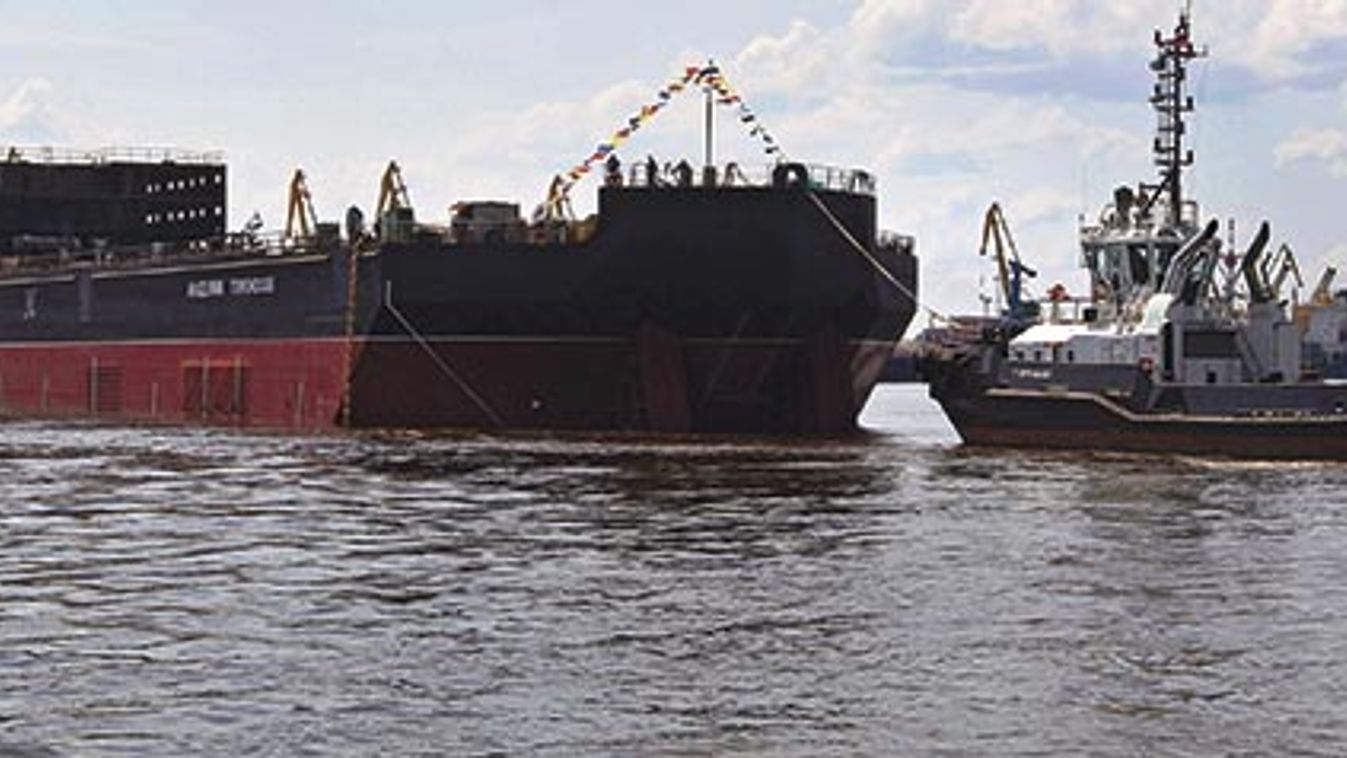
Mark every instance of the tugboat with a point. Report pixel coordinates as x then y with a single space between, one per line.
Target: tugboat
1165 356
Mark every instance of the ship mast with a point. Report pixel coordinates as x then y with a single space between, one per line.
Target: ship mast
1172 105
710 125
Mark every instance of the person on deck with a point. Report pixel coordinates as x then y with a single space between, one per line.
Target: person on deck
652 178
613 171
683 174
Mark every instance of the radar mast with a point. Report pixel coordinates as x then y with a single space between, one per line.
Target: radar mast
1172 105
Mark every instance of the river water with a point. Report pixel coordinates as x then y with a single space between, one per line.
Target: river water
176 592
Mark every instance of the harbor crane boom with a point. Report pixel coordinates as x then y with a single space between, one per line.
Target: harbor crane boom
392 191
1323 291
1009 268
301 222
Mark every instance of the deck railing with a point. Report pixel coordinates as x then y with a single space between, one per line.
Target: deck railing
105 155
644 174
234 246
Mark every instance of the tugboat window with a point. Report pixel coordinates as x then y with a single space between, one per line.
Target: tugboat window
1209 344
1140 267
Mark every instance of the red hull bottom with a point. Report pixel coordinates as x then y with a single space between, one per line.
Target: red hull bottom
282 384
654 382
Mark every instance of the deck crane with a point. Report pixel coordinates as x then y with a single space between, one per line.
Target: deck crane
1254 270
301 222
1010 269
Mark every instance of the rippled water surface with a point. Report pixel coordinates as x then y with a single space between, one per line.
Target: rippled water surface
210 593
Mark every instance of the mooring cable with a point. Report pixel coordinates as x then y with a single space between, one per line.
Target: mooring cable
444 367
870 258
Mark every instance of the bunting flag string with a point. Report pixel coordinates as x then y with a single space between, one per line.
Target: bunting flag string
712 77
708 76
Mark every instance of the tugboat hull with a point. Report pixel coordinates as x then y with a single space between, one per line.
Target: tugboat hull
1088 421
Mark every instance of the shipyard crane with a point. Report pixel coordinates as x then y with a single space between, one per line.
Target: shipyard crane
1010 269
392 191
394 219
1323 291
301 222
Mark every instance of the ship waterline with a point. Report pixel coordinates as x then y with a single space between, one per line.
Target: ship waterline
485 382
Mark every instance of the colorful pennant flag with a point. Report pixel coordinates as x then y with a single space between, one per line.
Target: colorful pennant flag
708 76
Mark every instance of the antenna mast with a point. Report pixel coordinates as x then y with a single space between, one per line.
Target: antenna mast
1172 105
710 126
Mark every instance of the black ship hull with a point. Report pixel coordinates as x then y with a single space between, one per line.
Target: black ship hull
742 310
988 408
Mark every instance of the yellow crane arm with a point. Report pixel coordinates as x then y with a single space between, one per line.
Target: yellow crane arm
392 191
996 231
1323 291
301 222
991 233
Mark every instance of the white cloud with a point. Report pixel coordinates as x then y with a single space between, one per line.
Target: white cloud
1064 27
1276 40
1325 146
877 23
1045 203
793 63
1290 28
983 124
25 114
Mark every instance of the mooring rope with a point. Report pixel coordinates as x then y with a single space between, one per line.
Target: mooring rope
467 389
870 258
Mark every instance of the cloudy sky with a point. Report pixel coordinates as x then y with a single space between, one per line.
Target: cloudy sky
1040 104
